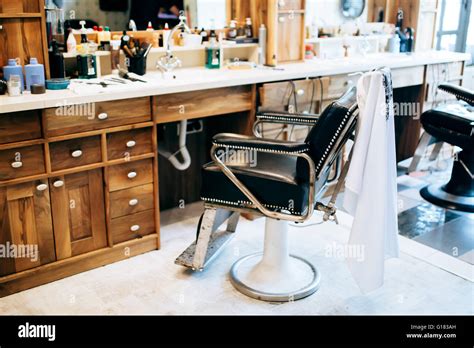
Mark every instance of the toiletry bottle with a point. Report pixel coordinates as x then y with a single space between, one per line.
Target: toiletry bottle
56 62
71 43
100 35
149 28
84 40
248 28
125 40
262 45
213 37
34 74
15 85
107 34
166 35
213 58
204 36
232 33
13 69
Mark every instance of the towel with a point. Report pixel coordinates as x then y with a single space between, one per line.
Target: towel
371 184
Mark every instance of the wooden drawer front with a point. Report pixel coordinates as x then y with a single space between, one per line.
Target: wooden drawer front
75 153
408 77
440 73
279 96
129 175
285 5
19 6
131 201
27 160
128 144
20 126
290 37
199 104
93 116
339 85
434 94
133 226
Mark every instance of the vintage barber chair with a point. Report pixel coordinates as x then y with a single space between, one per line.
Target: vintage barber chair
454 124
284 185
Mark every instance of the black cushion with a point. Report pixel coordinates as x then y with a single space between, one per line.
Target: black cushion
273 181
461 93
450 123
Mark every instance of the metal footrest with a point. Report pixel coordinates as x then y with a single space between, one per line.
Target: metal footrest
217 243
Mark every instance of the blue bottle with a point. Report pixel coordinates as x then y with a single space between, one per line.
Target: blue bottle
13 69
34 73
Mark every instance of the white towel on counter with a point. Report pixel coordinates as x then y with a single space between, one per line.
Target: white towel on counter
371 184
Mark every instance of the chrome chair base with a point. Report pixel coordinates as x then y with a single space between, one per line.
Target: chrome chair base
275 275
438 196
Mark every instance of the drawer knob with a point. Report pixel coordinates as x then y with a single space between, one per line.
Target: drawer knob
42 187
76 154
17 165
103 116
133 202
132 175
300 92
131 143
135 228
58 183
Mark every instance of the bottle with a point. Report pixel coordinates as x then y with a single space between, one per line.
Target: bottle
213 56
232 33
71 43
248 28
150 27
34 74
84 40
107 34
56 62
15 85
115 55
262 45
213 37
204 36
181 38
125 40
166 34
100 35
13 69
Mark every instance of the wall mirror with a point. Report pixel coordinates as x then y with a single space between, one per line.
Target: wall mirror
352 8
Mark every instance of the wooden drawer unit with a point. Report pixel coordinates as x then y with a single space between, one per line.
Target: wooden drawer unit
287 5
128 144
93 116
133 226
130 175
339 85
199 104
131 201
21 162
439 73
75 153
406 77
20 126
25 221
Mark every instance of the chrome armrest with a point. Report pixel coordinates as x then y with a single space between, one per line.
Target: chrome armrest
285 118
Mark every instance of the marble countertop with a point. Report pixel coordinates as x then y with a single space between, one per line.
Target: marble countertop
192 79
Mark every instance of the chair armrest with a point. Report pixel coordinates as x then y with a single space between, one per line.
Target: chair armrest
243 142
287 118
459 92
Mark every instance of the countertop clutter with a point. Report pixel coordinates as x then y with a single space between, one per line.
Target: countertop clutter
194 79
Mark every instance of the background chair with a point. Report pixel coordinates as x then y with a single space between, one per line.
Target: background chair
283 184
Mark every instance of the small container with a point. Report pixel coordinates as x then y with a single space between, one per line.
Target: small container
213 57
13 69
14 85
34 73
137 65
87 66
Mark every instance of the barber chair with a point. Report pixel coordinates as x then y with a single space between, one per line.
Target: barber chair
284 185
453 124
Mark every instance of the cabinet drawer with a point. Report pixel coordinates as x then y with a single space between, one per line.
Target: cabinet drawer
130 175
133 226
131 201
21 162
75 153
128 144
338 85
199 104
20 126
86 117
408 76
444 72
285 5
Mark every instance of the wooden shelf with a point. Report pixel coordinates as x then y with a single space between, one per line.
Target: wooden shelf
20 15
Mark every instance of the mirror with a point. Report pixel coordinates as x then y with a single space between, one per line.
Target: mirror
352 8
116 14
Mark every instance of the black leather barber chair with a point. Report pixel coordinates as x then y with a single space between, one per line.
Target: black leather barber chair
277 179
454 124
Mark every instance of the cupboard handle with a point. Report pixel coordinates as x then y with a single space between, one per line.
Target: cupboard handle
42 187
132 175
131 143
300 92
76 154
58 183
17 165
103 116
135 228
133 202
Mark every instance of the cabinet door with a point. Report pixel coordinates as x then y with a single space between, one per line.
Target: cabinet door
78 213
26 229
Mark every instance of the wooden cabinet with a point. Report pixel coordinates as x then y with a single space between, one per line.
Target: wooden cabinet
21 162
133 226
20 126
129 144
78 213
131 201
129 175
75 153
26 227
